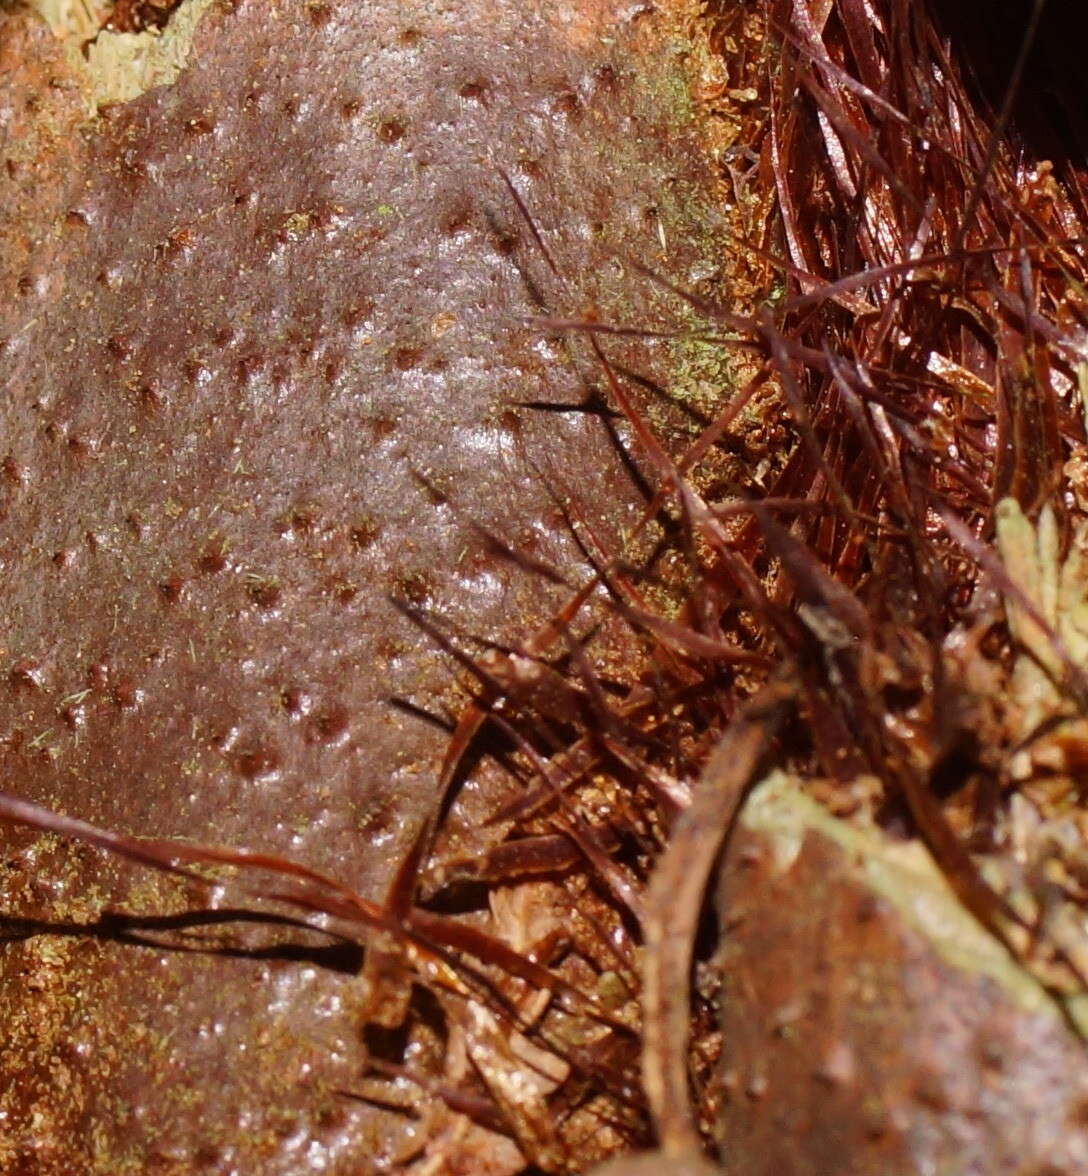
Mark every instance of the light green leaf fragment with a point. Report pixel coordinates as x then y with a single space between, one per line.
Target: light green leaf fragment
905 876
117 67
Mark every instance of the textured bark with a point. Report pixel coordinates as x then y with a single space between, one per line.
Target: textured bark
237 314
870 1025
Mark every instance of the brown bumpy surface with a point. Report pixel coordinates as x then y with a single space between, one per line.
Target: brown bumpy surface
864 1034
236 314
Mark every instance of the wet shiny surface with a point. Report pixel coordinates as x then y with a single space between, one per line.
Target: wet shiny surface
237 316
